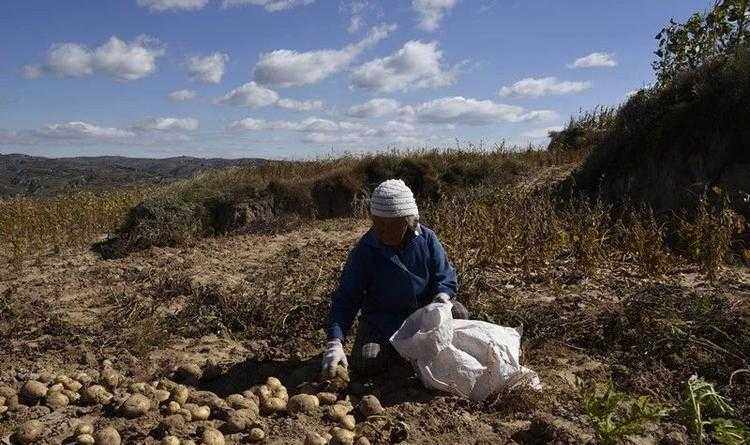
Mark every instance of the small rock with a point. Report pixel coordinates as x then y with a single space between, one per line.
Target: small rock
29 432
107 436
33 390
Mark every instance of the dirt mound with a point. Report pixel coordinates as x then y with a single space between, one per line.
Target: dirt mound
670 145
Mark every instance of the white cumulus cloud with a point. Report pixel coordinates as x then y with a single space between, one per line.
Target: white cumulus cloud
286 67
31 71
431 12
594 60
466 111
253 95
544 86
415 65
269 5
182 95
209 69
377 107
167 5
299 105
169 124
122 61
82 130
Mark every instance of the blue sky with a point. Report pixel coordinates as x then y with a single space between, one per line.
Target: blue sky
304 78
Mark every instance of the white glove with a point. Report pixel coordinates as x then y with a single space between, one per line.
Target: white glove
333 356
442 297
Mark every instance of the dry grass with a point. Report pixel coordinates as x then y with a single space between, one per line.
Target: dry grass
32 226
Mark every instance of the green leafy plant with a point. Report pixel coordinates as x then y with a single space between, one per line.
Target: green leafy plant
615 415
686 46
703 407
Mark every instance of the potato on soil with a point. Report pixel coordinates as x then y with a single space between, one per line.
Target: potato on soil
250 395
110 378
84 428
161 395
96 395
57 387
56 400
72 385
327 398
139 387
198 412
315 439
185 414
33 390
303 403
273 405
173 408
341 437
170 440
340 381
348 422
240 420
180 394
282 394
256 435
29 432
171 424
72 396
273 384
238 401
10 396
107 436
370 406
83 378
189 372
338 411
362 440
213 436
136 406
85 439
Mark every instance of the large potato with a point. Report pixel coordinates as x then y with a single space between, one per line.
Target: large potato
29 432
213 437
136 406
56 400
303 403
96 395
342 437
107 436
370 406
241 420
33 390
256 435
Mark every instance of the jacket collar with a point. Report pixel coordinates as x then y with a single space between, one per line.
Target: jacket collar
371 238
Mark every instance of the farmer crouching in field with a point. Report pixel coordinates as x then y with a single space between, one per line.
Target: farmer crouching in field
397 267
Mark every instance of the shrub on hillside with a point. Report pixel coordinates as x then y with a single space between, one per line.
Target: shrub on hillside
668 146
584 131
334 194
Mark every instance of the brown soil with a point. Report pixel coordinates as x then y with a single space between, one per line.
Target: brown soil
72 312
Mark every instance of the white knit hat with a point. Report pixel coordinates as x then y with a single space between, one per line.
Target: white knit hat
392 199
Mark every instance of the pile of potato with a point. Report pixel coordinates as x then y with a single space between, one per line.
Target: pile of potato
177 404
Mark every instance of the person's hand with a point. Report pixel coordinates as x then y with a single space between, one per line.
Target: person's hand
442 297
333 357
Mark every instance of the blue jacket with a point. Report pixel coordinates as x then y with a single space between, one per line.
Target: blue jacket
387 284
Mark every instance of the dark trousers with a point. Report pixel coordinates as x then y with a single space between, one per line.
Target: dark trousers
369 360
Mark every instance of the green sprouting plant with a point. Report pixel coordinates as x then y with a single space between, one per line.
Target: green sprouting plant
704 407
730 432
615 415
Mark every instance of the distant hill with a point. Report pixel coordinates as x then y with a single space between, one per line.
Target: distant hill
37 176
